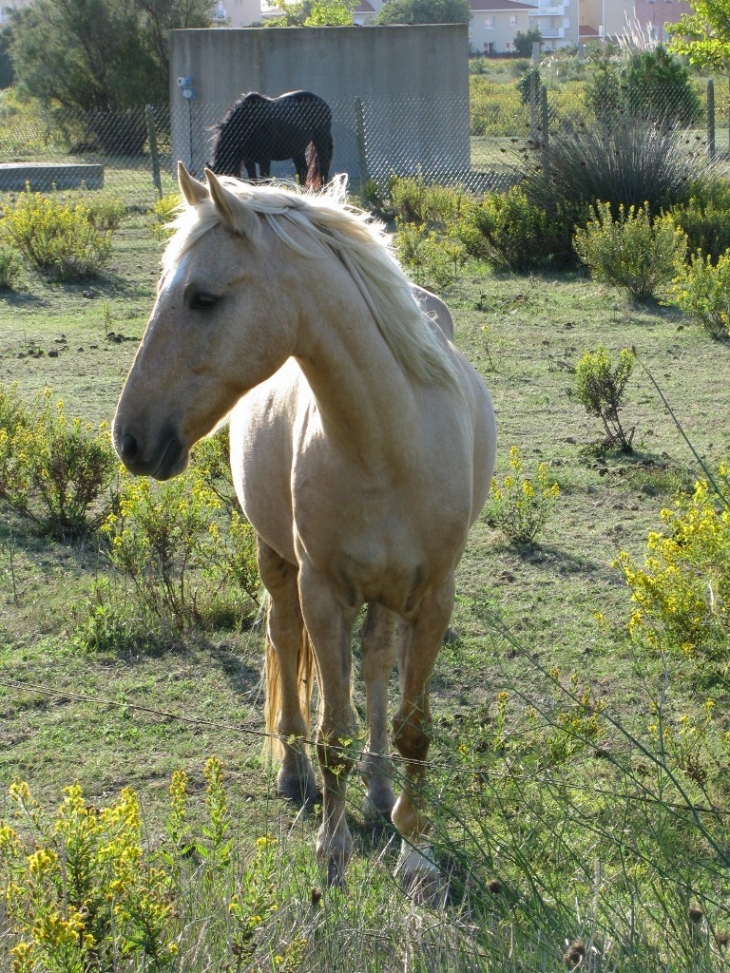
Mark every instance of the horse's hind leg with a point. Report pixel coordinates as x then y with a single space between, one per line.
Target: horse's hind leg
378 656
324 147
300 164
288 677
411 725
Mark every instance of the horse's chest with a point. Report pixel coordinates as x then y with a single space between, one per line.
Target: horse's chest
380 545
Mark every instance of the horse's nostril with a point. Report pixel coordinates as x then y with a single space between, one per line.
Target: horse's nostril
128 447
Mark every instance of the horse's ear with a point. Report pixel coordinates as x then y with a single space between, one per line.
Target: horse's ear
194 192
237 215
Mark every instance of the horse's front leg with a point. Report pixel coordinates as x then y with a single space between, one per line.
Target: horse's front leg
288 684
419 647
378 656
329 620
250 167
265 168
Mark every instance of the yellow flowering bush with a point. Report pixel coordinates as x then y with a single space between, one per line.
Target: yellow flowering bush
636 252
520 505
681 593
53 470
704 292
82 891
78 892
65 241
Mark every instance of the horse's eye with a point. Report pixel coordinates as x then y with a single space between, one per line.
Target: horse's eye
202 302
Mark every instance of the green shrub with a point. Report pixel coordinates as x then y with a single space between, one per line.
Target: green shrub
704 292
650 86
10 267
512 233
600 385
521 505
54 470
79 892
432 259
633 251
59 239
682 592
88 889
105 213
414 200
524 40
186 565
705 218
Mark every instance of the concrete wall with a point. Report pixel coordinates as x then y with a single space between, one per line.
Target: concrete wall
399 95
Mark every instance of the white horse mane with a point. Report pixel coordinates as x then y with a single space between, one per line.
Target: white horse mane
358 240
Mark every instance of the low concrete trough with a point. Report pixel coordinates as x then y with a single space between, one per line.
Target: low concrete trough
42 177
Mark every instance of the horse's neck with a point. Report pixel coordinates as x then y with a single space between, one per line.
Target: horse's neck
366 402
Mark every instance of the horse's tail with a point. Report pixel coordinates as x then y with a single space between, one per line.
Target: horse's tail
314 179
273 748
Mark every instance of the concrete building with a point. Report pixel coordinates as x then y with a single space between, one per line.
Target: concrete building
494 24
399 95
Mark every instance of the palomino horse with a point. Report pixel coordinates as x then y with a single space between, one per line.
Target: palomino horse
362 447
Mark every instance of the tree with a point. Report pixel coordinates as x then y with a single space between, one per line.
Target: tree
651 85
704 36
424 12
6 65
100 55
315 13
523 41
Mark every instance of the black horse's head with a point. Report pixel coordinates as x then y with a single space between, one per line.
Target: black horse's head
233 133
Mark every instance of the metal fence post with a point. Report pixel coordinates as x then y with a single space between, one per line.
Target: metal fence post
545 130
711 120
154 151
533 104
362 157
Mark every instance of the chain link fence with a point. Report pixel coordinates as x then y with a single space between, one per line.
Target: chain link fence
483 147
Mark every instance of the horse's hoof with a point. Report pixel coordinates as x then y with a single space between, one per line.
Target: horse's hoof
300 791
336 875
420 876
427 890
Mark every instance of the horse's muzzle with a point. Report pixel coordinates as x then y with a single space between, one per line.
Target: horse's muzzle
167 459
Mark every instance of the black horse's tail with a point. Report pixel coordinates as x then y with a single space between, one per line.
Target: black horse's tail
314 179
318 167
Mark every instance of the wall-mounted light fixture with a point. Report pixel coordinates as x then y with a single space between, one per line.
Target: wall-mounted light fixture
186 87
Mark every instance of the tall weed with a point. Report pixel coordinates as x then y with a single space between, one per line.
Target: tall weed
627 165
600 384
521 505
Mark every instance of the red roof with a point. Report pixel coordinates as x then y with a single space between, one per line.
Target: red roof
495 5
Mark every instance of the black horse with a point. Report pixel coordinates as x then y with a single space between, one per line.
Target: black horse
258 129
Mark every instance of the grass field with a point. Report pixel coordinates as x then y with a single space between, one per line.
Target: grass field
561 816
